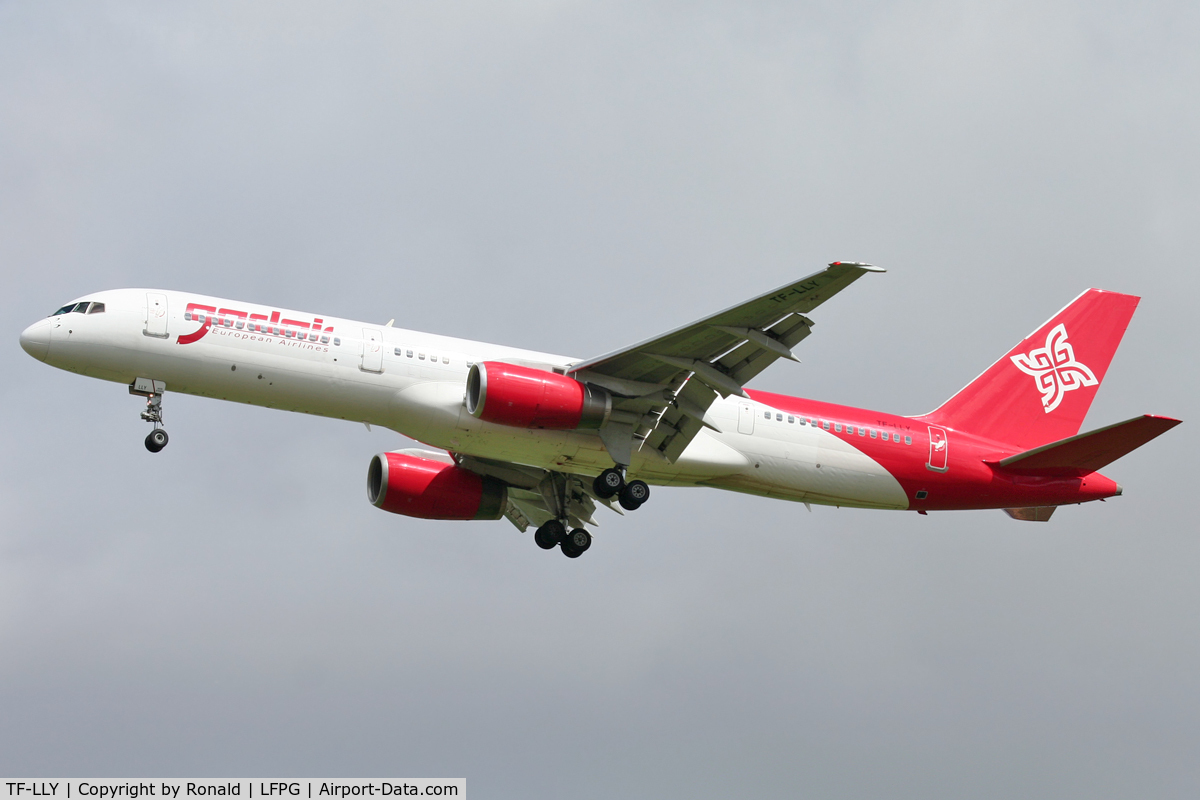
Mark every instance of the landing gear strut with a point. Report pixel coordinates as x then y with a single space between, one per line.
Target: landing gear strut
153 392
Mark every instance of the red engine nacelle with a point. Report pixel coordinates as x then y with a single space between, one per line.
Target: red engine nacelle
533 398
421 487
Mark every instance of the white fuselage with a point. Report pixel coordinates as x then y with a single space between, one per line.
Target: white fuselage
413 383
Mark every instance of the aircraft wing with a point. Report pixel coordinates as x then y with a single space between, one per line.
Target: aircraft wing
662 387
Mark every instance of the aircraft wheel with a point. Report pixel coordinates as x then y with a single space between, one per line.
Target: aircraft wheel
579 539
157 440
549 535
608 483
569 551
633 495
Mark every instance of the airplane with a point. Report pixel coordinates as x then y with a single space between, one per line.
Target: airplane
543 439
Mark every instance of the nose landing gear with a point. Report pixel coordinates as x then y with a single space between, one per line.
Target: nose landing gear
156 440
152 390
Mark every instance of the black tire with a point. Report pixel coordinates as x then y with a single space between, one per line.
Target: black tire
634 494
157 440
608 483
579 539
569 551
544 538
549 535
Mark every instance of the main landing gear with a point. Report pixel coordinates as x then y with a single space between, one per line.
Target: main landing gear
554 534
153 392
566 500
630 495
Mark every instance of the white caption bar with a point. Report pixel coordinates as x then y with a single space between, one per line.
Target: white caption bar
186 789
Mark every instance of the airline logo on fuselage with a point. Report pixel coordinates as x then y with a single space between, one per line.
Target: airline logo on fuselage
258 326
1054 368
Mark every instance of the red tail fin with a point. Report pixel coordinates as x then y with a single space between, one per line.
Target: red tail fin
1041 390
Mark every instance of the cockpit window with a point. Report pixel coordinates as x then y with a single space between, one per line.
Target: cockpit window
80 308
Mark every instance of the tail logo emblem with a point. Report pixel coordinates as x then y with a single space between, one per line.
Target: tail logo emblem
1054 368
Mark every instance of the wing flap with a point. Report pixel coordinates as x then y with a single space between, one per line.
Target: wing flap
713 356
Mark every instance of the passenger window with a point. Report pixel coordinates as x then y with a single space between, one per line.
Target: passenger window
862 431
409 354
825 425
421 356
779 417
791 419
398 351
896 438
872 433
337 342
325 339
766 415
97 308
838 427
908 440
445 359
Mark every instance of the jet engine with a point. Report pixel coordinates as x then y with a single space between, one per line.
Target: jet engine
523 397
423 487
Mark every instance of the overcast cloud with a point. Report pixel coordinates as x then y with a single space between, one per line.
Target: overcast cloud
575 177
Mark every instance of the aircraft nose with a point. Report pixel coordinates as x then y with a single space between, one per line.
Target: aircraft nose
35 339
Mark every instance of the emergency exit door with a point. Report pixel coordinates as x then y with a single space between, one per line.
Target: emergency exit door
372 355
939 450
745 418
156 315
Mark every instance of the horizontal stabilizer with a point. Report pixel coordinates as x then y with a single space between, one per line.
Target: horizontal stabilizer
1094 450
1032 514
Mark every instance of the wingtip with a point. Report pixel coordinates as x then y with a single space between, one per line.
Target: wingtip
860 264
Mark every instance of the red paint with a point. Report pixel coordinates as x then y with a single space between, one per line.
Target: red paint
972 478
1021 407
428 489
1092 451
195 311
528 398
188 338
255 323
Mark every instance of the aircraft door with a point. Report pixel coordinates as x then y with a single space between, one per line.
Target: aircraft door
156 315
372 354
745 418
939 450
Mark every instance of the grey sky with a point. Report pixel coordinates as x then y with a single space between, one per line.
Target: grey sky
575 177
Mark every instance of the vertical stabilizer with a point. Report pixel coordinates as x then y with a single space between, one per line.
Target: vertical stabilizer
1041 390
